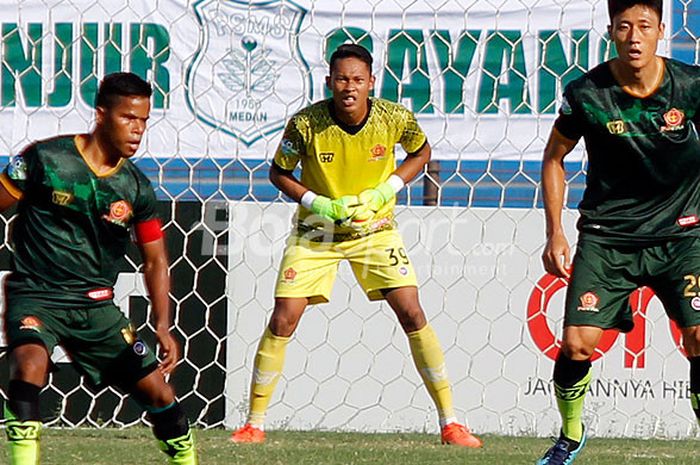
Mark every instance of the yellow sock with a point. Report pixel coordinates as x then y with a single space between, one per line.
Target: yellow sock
430 361
266 372
23 439
180 451
570 403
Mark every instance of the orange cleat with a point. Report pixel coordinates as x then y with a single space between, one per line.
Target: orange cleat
248 434
459 435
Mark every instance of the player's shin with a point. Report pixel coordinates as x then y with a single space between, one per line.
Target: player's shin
172 430
269 362
571 380
430 361
22 423
695 385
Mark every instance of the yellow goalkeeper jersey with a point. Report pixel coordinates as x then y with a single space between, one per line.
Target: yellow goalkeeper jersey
337 159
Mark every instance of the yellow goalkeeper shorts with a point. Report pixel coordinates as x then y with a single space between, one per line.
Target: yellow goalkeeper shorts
379 261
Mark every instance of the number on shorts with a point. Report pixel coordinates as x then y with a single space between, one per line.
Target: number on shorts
396 259
692 283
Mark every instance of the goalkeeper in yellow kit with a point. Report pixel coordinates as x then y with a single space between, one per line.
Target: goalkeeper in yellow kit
347 193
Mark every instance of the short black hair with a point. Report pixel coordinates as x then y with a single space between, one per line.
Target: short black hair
615 7
121 85
351 50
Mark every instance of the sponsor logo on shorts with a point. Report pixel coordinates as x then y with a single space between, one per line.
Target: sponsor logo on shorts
129 334
140 348
289 274
119 213
695 303
688 221
589 302
403 270
377 153
100 294
30 323
674 119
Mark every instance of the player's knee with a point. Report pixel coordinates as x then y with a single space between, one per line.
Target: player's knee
283 323
29 365
577 350
411 317
691 341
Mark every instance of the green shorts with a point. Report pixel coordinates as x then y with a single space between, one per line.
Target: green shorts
100 340
605 275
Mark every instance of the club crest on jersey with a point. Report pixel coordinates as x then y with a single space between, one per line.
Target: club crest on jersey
30 323
289 274
674 119
589 302
616 127
378 152
119 213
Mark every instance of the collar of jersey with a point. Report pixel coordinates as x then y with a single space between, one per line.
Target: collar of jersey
347 127
110 172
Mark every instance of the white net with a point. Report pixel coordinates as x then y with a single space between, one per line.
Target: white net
484 79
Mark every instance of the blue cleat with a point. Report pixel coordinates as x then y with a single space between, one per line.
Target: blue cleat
563 452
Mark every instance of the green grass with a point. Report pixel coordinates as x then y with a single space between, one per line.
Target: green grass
135 446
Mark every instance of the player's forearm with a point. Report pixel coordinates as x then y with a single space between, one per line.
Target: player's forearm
157 282
287 183
413 164
553 175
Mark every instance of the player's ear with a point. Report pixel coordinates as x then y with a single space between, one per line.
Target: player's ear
662 30
371 82
328 82
99 115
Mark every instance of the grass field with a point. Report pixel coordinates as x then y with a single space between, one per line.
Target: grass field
135 446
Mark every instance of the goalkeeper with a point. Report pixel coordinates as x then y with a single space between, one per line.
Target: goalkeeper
78 199
347 194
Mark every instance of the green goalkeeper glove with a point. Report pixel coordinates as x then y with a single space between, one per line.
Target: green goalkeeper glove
336 210
383 193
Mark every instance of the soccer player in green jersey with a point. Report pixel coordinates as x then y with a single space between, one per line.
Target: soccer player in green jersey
347 193
640 213
78 198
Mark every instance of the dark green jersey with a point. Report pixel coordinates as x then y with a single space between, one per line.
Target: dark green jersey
72 226
643 180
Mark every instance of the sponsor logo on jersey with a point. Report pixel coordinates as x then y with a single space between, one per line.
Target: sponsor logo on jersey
17 169
326 157
102 293
377 153
61 198
616 127
674 119
589 302
695 303
289 274
689 220
119 213
30 323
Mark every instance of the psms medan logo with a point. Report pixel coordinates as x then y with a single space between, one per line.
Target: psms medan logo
248 75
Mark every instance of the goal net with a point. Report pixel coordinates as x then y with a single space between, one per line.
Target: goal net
484 79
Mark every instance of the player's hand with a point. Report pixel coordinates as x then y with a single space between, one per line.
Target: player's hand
556 258
377 197
337 210
360 217
169 351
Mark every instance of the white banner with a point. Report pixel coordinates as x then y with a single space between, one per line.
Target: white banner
483 80
497 315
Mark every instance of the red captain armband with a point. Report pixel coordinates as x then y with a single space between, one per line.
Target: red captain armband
148 231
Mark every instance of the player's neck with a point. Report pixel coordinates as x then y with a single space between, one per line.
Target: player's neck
639 82
98 153
355 118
